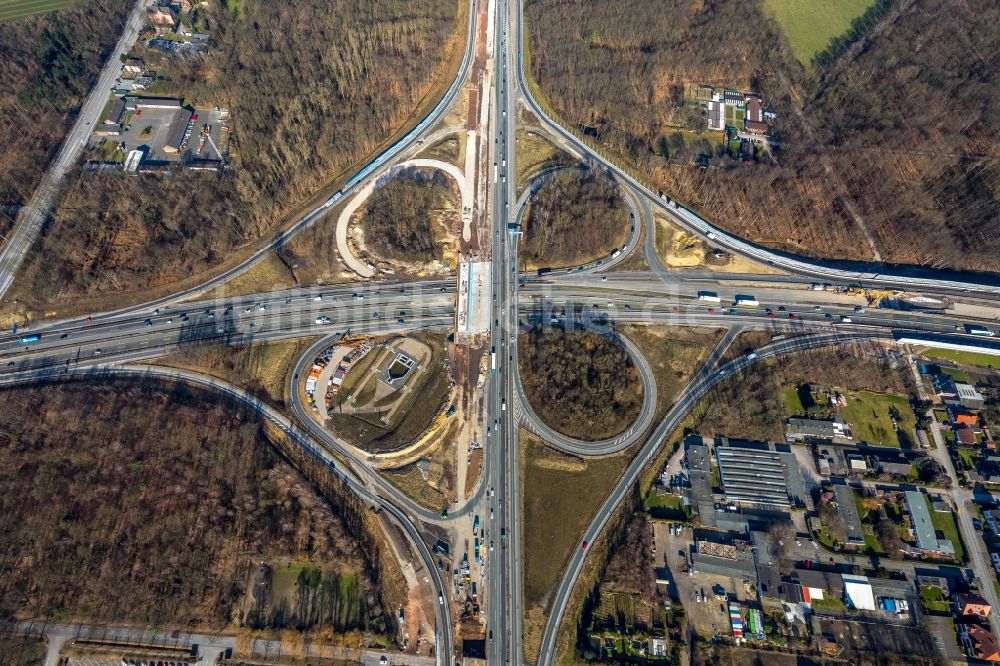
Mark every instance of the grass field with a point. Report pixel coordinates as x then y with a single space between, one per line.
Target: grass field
535 153
15 9
963 357
811 24
868 414
933 598
561 494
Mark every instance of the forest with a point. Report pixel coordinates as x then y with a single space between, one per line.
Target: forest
314 87
166 495
399 215
577 216
884 145
48 65
580 383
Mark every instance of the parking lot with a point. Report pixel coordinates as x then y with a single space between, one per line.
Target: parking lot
147 129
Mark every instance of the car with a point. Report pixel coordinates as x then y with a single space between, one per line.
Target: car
604 278
156 312
491 546
781 308
97 352
323 319
491 635
170 321
400 321
770 315
402 313
375 315
441 599
791 315
148 323
382 660
584 546
318 297
261 307
817 308
248 310
711 311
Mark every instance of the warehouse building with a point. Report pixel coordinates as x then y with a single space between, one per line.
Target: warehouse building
759 473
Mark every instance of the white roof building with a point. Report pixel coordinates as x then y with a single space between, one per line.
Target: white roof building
858 592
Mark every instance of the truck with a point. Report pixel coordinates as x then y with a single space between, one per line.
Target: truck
28 339
746 300
709 296
495 174
475 523
493 361
975 329
617 253
476 551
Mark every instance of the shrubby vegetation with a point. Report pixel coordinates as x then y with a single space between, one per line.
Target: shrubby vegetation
579 382
48 65
167 496
888 136
399 216
577 216
313 86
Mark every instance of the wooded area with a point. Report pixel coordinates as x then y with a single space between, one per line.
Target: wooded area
48 65
890 135
313 87
580 383
166 496
748 405
576 216
398 216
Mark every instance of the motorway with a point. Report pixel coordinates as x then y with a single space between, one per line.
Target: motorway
26 230
504 586
108 344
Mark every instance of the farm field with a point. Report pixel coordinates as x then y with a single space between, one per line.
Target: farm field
811 24
16 9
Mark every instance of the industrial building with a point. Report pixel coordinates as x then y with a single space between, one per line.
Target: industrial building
759 473
858 593
815 430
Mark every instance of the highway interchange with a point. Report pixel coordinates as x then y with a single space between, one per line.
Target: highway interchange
115 344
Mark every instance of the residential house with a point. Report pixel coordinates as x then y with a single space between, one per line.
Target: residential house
133 66
923 526
944 385
897 466
979 642
848 510
733 96
961 416
965 436
161 17
716 115
971 604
